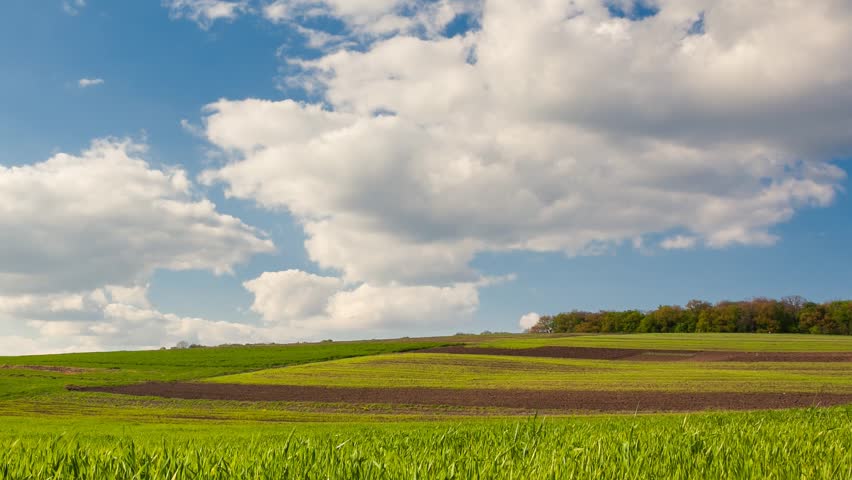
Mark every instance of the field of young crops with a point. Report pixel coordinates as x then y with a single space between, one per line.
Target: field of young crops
813 444
48 431
752 342
500 372
19 380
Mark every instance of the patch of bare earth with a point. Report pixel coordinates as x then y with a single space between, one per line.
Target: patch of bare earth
591 401
593 353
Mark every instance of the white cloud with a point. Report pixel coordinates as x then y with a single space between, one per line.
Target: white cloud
553 128
206 12
292 294
296 301
109 318
679 242
73 7
83 234
529 320
89 82
365 20
106 217
401 306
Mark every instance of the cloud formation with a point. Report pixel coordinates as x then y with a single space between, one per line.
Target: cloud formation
640 128
82 234
373 18
106 217
107 318
310 305
364 20
89 82
574 126
206 12
556 126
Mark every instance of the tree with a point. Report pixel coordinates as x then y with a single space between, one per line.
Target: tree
665 319
838 318
790 314
705 322
812 318
769 316
544 325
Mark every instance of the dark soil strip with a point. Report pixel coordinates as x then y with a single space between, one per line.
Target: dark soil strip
522 399
648 355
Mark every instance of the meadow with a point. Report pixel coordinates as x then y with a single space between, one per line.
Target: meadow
48 431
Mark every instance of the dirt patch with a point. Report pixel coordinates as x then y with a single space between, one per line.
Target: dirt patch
593 401
592 353
46 368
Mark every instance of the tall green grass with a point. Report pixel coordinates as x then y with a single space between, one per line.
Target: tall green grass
813 444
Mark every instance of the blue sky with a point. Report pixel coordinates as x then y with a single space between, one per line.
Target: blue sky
586 194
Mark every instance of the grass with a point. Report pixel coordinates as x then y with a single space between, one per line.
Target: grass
809 443
153 409
748 342
500 372
48 432
113 368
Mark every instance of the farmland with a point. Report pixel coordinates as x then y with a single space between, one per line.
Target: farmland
453 371
446 407
812 443
757 342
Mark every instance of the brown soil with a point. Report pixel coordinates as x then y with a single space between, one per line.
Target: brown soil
521 399
46 368
648 355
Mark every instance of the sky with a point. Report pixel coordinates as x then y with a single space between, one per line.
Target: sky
243 171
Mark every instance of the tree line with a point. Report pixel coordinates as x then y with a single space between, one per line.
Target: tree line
760 315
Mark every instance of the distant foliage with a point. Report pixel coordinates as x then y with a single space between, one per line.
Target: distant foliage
759 315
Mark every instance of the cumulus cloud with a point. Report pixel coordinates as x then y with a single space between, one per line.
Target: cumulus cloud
643 128
552 126
82 234
89 82
108 318
308 304
106 217
292 294
529 320
375 18
555 126
206 12
365 19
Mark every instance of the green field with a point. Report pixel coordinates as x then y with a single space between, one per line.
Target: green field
813 444
49 432
116 368
752 342
498 372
